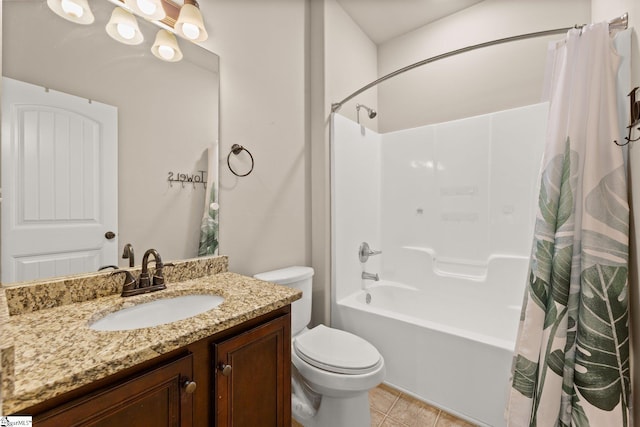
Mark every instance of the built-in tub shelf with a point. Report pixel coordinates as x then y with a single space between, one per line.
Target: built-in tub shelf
462 268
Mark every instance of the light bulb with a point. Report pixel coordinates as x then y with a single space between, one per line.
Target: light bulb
166 52
147 7
190 24
123 27
126 31
77 11
166 47
72 8
191 31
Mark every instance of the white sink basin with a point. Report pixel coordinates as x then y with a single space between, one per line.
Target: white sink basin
158 312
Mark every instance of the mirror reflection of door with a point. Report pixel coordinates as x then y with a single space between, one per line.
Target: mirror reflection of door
59 183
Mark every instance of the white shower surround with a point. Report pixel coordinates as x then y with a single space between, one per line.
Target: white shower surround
451 206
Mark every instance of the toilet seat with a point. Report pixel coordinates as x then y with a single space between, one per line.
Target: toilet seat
337 351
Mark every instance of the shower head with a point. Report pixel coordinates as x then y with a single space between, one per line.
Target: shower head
371 112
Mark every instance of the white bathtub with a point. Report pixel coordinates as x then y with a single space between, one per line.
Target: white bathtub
449 344
452 208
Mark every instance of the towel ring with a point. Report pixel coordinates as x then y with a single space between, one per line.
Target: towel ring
237 149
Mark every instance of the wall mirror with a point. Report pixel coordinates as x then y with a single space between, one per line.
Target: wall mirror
167 125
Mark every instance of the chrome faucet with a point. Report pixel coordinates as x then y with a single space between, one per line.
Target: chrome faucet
128 253
370 276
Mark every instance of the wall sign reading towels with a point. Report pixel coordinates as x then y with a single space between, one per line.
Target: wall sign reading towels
182 178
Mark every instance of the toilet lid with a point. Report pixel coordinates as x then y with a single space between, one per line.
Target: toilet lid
336 351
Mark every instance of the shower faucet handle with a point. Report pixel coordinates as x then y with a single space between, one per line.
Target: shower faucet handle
365 252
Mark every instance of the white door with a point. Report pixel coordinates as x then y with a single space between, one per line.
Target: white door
59 183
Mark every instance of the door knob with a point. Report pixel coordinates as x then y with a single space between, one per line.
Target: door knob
189 386
225 369
109 235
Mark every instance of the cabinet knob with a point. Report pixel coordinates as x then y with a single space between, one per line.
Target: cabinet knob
189 386
225 369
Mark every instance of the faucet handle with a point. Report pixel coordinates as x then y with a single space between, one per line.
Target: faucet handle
365 252
129 281
158 276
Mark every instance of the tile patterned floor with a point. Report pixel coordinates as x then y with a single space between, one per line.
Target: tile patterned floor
392 408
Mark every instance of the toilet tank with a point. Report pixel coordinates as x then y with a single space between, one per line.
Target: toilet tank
298 278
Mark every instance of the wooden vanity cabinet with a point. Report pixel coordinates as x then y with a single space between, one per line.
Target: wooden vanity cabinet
159 397
253 377
254 391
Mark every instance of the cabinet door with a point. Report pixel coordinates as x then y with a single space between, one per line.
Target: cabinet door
156 398
253 377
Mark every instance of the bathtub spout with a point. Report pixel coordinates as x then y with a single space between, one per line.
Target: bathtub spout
370 276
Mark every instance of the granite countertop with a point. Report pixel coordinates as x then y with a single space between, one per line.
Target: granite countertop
55 351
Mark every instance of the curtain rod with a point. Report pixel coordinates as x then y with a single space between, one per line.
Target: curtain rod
619 23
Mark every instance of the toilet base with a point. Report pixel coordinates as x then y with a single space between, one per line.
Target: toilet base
351 411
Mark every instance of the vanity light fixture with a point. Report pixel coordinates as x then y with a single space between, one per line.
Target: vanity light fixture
166 47
149 9
190 24
175 19
123 27
77 11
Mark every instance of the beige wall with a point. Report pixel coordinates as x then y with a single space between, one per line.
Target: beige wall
320 176
282 64
343 59
265 217
265 220
351 61
478 82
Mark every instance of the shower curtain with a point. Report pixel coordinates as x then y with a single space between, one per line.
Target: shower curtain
571 363
209 225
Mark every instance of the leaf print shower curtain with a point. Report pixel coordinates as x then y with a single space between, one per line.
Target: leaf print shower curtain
571 363
209 225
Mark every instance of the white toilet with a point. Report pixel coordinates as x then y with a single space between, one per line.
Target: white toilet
333 370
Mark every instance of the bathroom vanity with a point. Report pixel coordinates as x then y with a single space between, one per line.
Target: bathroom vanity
227 366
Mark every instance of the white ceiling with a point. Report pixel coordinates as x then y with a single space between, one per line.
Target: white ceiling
383 20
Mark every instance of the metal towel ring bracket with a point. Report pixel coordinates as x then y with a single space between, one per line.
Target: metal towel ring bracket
237 149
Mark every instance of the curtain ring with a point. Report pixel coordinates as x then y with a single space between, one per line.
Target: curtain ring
237 149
